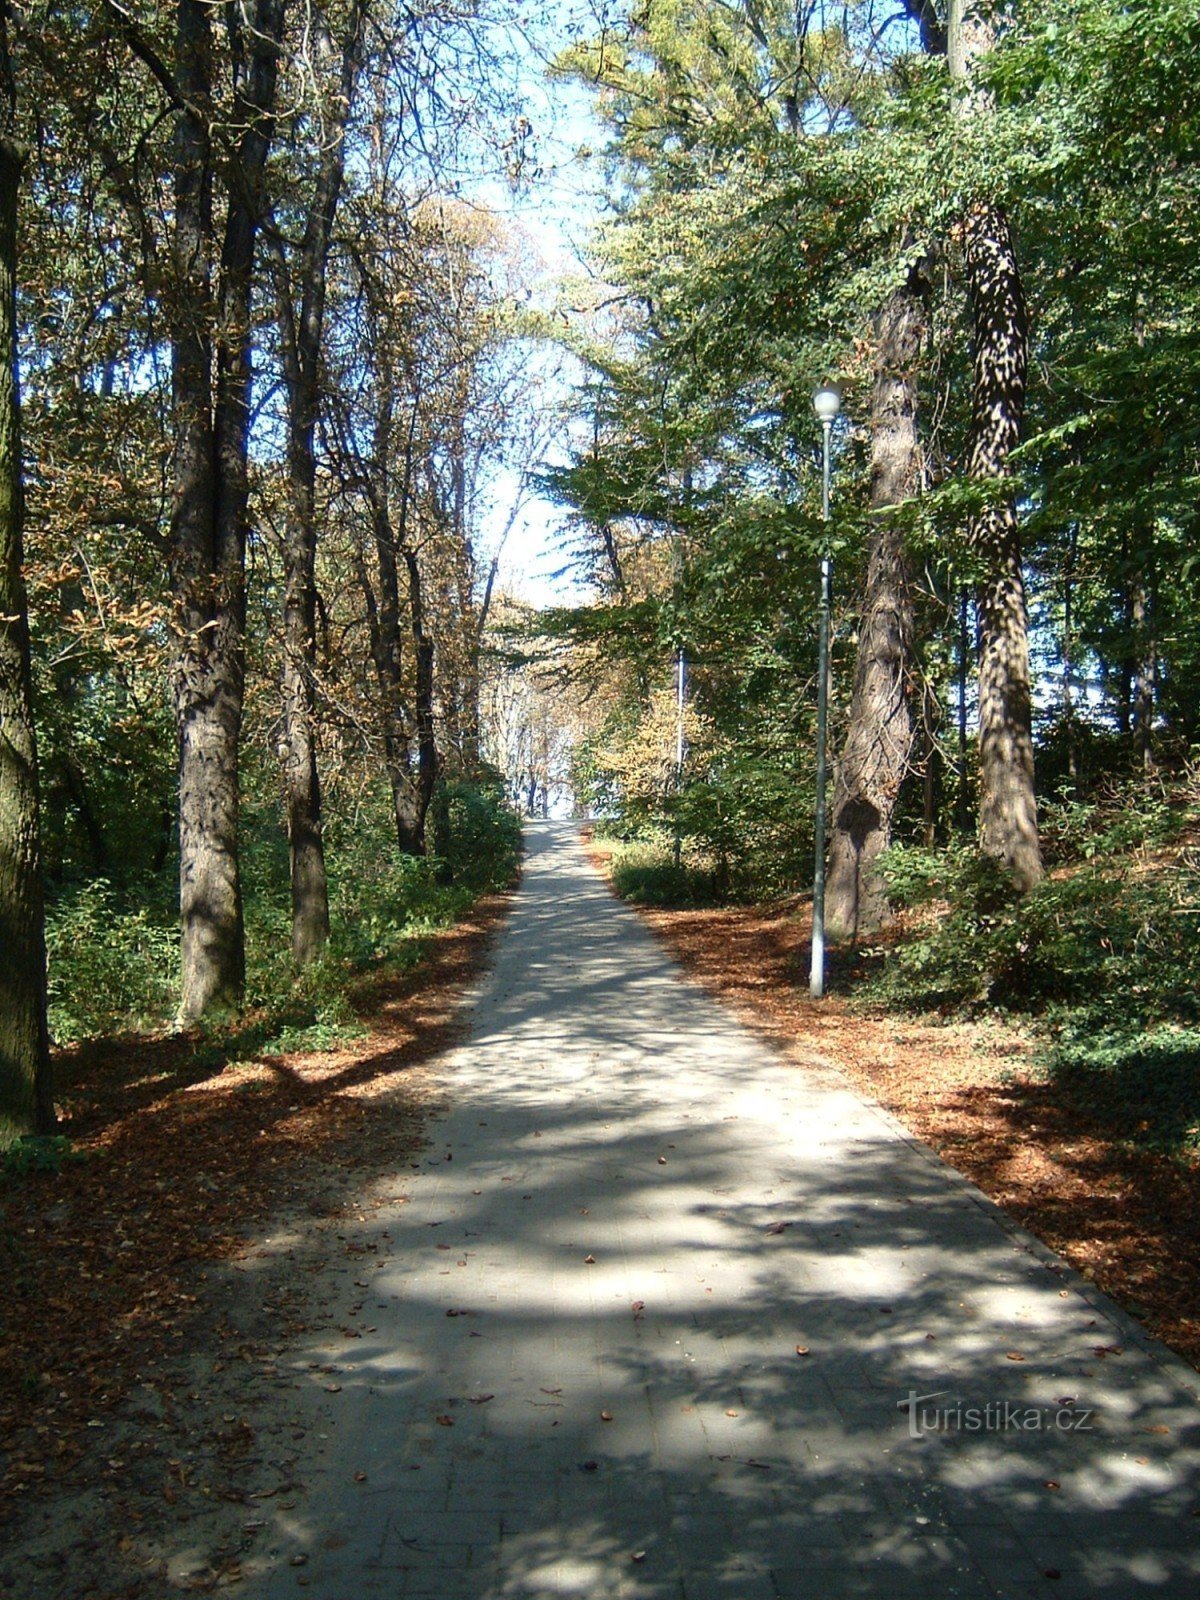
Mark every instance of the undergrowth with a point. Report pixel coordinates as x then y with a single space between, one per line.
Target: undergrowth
1101 960
644 871
114 948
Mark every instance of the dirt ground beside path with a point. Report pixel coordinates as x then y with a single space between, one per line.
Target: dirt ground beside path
147 1290
1128 1221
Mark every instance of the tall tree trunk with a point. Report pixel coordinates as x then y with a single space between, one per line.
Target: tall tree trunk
962 797
211 491
381 596
301 335
880 732
1146 682
1068 654
26 1092
1007 803
428 762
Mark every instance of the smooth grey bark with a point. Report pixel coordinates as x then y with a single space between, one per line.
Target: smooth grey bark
879 735
209 306
26 1088
1008 826
301 329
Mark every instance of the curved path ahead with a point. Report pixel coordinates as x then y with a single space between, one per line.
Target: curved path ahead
578 1374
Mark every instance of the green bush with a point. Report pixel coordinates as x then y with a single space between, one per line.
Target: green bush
110 967
1104 962
1105 930
38 1152
114 957
644 872
475 836
1142 1084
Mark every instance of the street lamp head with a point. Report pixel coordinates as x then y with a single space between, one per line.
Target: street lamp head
827 402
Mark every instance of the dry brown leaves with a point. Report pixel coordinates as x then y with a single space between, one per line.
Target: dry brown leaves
102 1267
1130 1222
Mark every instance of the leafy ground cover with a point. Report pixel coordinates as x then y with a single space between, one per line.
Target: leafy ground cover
180 1147
1097 1175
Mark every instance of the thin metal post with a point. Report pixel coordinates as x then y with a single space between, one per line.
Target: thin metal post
680 748
816 986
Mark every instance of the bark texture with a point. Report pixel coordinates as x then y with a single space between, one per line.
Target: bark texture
1007 804
210 375
379 580
26 1096
301 330
1008 825
879 737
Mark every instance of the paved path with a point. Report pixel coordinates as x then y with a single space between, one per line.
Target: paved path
579 1373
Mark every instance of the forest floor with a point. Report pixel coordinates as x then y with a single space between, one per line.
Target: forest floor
1128 1220
127 1322
150 1291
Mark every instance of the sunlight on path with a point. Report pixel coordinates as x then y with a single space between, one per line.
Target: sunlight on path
579 1373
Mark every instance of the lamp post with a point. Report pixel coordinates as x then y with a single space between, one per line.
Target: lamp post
827 403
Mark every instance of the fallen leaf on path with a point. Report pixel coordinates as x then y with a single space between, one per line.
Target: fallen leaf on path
589 1261
1013 1355
778 1227
551 1391
479 1399
638 1555
444 1421
606 1416
802 1350
360 1477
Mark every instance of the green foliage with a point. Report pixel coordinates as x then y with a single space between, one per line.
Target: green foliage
644 871
1141 1084
113 956
38 1153
1106 929
477 837
112 965
1102 960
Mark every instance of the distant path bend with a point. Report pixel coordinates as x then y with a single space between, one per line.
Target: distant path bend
654 1308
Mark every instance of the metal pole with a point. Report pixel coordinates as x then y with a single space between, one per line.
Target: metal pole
816 987
680 752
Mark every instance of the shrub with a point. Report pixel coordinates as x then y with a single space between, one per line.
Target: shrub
644 872
1105 930
110 967
475 836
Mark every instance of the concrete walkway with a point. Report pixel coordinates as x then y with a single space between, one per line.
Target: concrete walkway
579 1373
